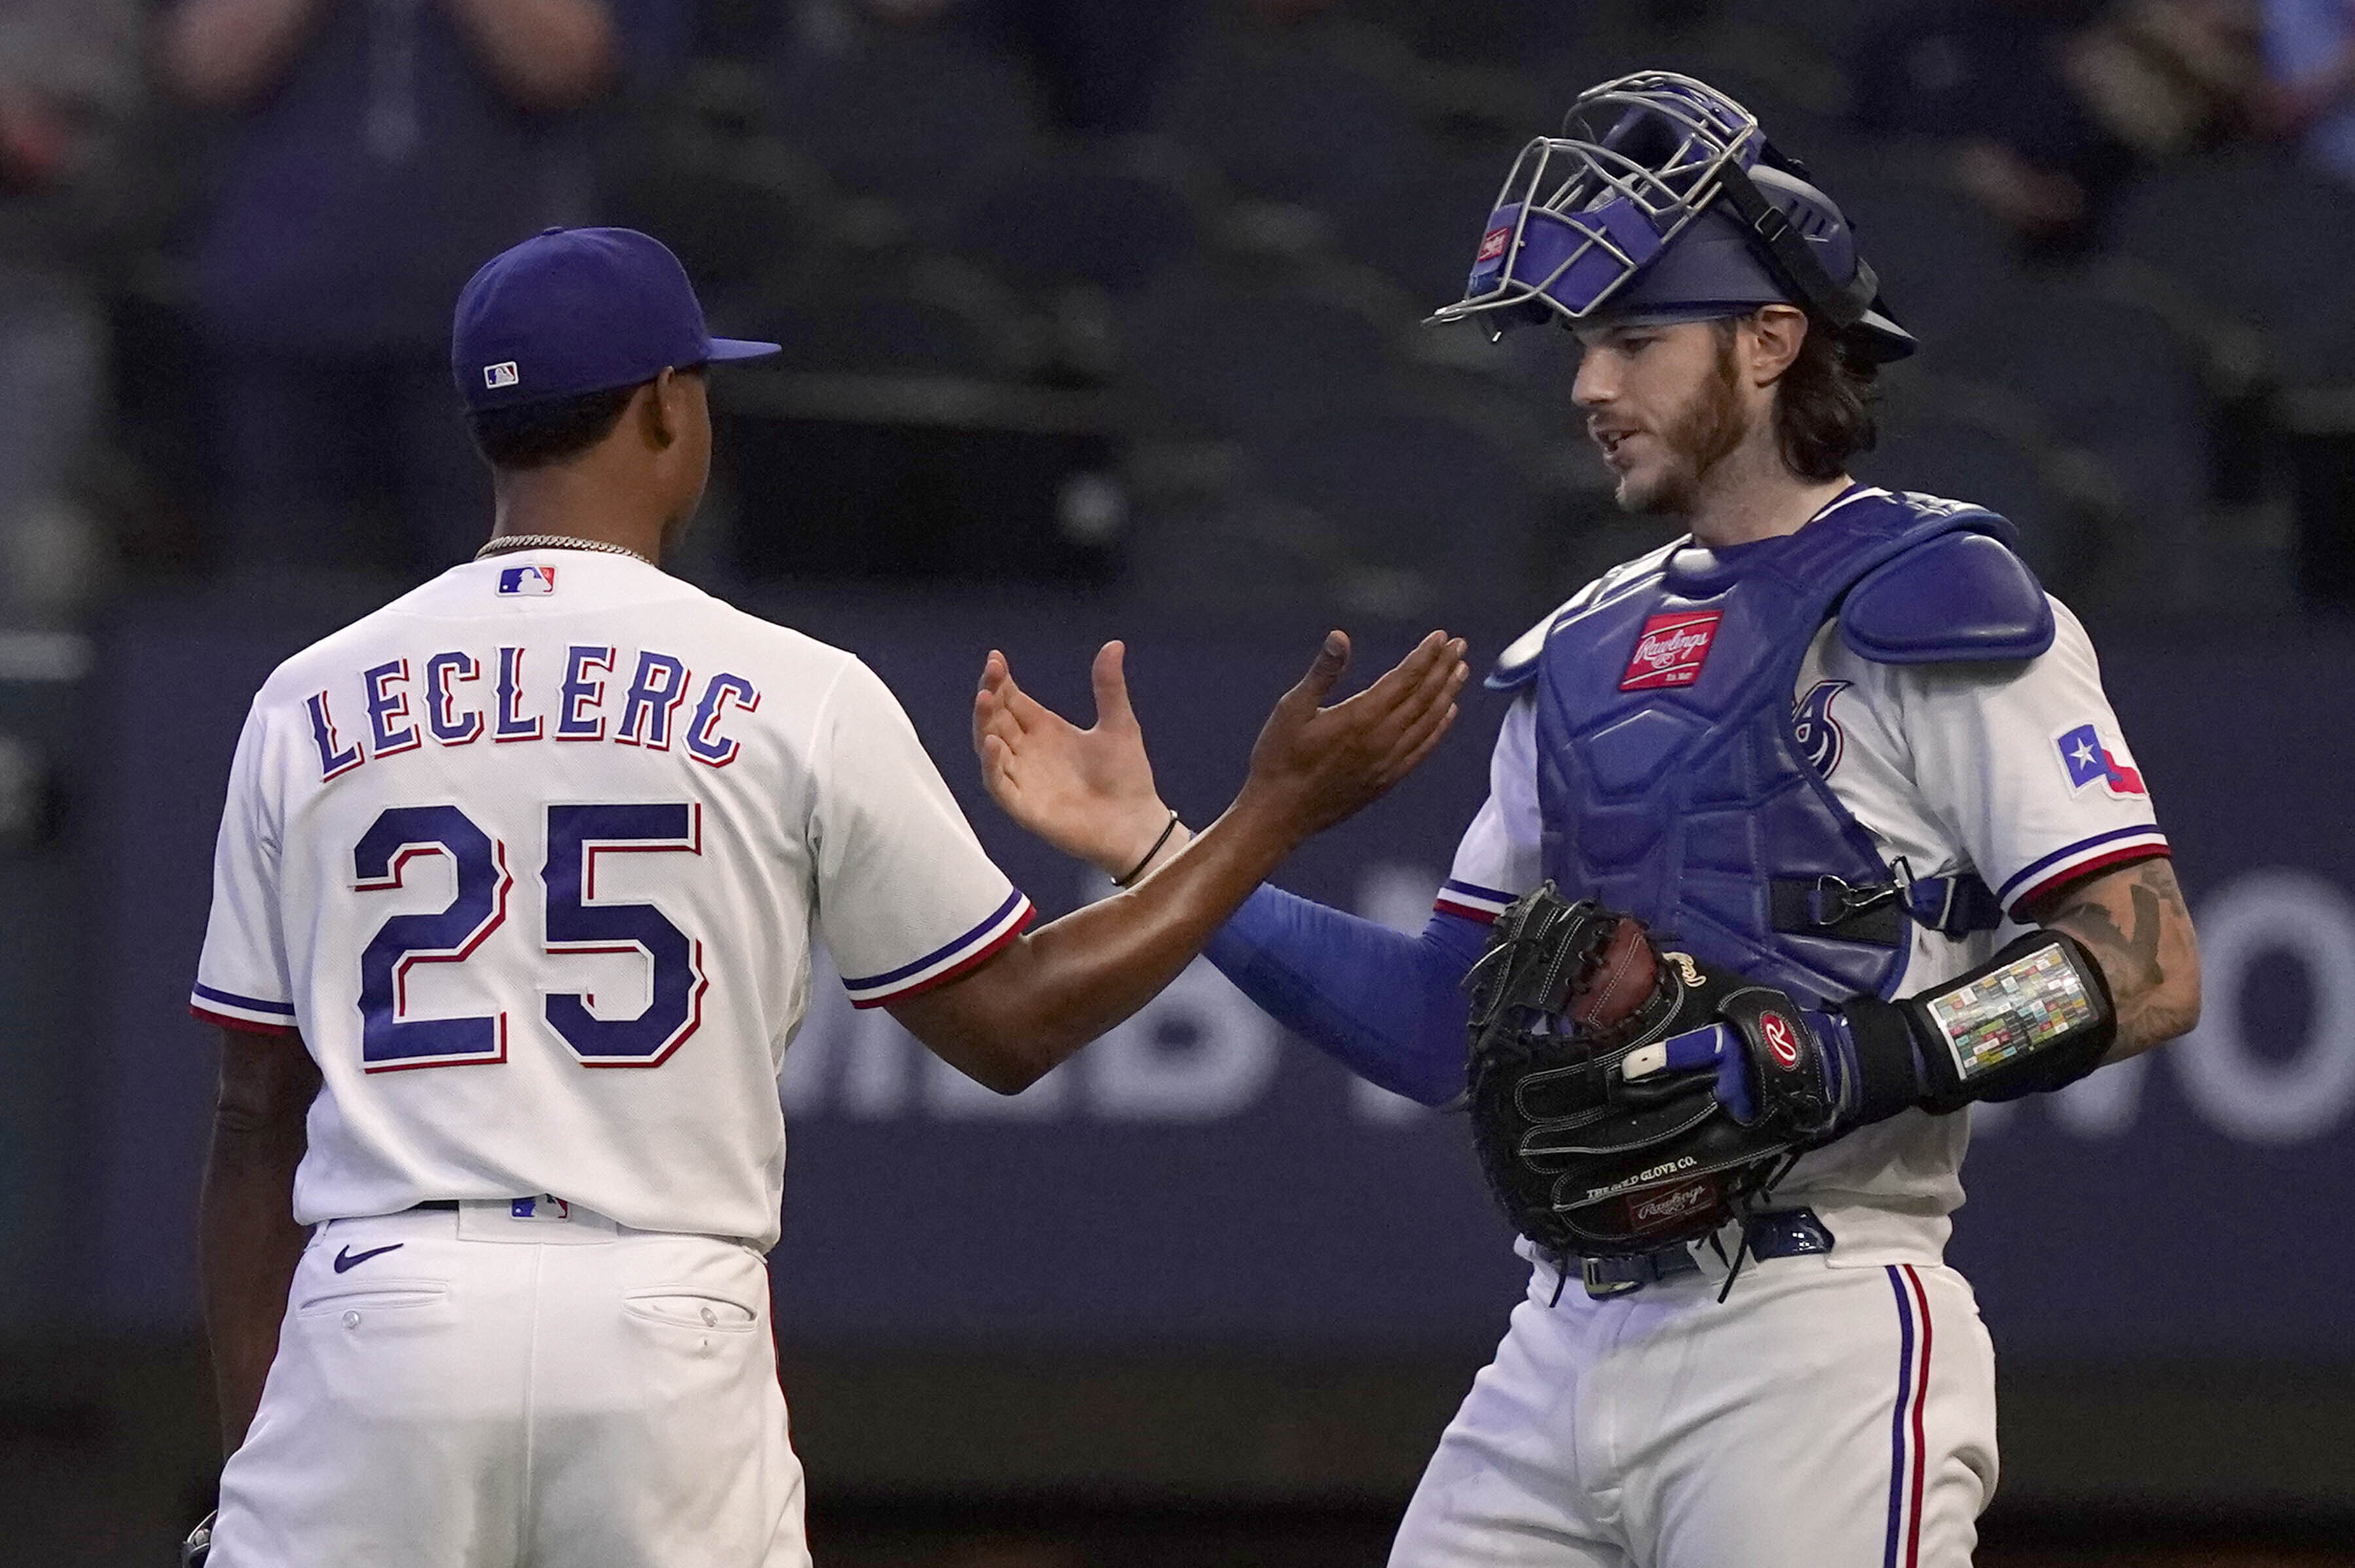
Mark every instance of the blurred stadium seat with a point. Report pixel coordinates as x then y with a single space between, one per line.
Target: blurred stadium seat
1487 32
2258 237
1076 215
1988 446
1420 494
1232 361
1943 262
891 330
1420 230
1286 119
697 167
2111 376
908 116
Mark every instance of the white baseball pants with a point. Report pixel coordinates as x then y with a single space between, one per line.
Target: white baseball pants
1826 1415
482 1390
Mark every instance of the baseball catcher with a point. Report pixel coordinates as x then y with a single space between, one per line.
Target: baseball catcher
1805 830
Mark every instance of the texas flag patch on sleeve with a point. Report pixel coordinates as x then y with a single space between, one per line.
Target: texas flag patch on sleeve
2089 761
520 581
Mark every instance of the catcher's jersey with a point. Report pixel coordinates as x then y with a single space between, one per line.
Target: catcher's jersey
2016 771
533 857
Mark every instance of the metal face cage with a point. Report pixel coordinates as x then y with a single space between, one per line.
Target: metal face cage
1581 214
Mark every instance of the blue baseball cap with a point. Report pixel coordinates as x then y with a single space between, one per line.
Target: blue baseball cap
579 310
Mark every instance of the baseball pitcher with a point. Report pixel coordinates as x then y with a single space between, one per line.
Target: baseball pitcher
516 891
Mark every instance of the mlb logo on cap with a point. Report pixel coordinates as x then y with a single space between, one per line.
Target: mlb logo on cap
592 309
515 581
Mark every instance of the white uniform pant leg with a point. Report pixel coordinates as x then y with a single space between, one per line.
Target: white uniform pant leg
1792 1426
552 1396
1824 1416
1505 1487
658 1428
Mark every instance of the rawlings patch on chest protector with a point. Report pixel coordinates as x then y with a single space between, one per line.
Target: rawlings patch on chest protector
1672 649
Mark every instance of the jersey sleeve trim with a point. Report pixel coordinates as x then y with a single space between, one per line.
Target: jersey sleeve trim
248 1015
228 1007
946 963
1471 900
2119 847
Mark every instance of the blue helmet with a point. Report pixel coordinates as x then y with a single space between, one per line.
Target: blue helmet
1663 202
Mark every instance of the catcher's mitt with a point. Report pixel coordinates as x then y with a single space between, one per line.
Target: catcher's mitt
1586 1163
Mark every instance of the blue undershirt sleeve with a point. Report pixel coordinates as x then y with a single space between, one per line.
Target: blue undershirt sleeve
1387 1006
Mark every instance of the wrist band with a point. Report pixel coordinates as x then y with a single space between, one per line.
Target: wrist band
1138 869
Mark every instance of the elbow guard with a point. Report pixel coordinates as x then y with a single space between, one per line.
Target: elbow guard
2036 1016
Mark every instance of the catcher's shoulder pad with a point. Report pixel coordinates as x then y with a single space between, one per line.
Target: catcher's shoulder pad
1959 597
1518 664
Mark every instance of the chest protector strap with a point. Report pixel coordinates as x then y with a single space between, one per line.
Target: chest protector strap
1882 912
1671 779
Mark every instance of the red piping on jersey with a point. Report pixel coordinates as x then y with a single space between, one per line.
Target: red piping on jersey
958 970
243 1026
2074 874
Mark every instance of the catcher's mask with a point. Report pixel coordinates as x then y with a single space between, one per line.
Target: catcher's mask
1662 201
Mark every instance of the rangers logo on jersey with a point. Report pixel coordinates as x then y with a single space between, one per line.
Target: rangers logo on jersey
1820 739
2088 760
521 582
1672 649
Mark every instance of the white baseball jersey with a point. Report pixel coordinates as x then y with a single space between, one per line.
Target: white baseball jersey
2016 771
532 859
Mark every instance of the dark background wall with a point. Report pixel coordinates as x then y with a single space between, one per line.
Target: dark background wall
1200 1265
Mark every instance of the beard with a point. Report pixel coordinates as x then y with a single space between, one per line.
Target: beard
1696 438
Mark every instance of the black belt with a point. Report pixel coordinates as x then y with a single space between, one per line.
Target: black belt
1775 1233
447 1205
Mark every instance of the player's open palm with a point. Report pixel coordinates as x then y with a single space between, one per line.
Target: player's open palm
1088 792
1315 765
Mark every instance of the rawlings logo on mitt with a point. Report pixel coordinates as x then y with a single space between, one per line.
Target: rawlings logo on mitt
1587 1161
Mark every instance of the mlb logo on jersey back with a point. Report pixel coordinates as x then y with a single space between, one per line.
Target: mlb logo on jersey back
516 582
502 374
1672 649
2088 760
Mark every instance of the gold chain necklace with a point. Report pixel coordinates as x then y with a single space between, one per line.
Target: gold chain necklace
556 541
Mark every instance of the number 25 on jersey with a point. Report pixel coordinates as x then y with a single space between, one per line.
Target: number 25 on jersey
578 922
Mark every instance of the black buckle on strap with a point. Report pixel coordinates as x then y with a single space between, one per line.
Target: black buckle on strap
1828 906
1877 913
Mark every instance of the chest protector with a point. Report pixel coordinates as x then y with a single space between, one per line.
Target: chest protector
1673 776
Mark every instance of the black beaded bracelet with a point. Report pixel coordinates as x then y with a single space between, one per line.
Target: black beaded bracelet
1138 869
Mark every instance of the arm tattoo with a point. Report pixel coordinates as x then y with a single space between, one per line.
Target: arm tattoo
2156 922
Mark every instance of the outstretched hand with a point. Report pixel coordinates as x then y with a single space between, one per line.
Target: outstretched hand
1314 766
1088 792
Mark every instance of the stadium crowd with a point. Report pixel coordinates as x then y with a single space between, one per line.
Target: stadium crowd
1135 288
